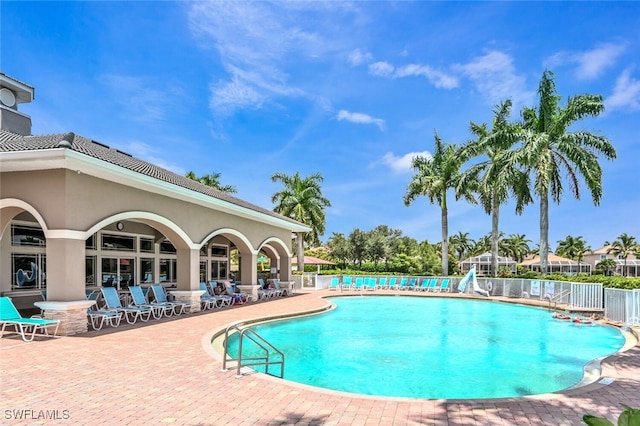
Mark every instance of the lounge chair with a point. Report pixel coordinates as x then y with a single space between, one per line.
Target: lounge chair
392 283
359 283
347 282
283 291
403 284
428 284
264 292
382 283
222 299
130 313
335 284
9 315
99 317
160 296
140 300
412 284
369 284
206 300
444 285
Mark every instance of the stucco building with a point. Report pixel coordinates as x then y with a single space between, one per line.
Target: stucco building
76 214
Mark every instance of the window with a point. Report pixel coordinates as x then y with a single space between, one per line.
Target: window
167 270
27 236
218 270
203 271
147 245
146 270
90 271
118 271
167 247
90 244
118 242
219 251
28 271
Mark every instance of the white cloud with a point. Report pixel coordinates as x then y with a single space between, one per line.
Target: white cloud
358 117
626 93
151 154
437 78
381 68
495 77
139 100
403 164
358 57
591 63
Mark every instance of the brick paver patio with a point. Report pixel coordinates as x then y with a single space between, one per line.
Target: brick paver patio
165 372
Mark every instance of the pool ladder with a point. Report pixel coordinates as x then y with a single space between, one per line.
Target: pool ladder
267 348
557 298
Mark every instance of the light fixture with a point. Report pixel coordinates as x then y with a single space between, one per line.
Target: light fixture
120 226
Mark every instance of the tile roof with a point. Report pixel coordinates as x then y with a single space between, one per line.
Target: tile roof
10 142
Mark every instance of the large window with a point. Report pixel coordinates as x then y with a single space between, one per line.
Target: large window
27 236
28 271
118 272
146 270
168 270
118 242
167 247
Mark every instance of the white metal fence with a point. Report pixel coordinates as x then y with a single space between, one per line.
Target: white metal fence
619 305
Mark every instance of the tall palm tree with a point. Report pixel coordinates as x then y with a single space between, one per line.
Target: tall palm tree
434 177
623 247
550 150
212 180
500 175
301 199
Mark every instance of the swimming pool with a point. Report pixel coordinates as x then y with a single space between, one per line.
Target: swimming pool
423 347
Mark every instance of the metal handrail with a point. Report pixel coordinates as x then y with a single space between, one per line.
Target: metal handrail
259 341
555 299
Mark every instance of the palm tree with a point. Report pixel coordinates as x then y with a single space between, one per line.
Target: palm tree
301 199
550 150
516 246
212 180
574 248
606 266
434 177
500 175
623 247
462 244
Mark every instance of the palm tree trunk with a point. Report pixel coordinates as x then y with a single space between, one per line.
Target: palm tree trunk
495 213
445 241
544 233
300 254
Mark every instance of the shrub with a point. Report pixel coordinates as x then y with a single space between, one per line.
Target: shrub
629 417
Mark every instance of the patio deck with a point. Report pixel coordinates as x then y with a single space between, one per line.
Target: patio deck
163 372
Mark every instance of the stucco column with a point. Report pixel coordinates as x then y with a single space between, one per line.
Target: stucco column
188 264
300 253
65 269
249 268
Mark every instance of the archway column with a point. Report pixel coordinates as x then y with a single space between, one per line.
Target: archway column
188 274
66 296
249 268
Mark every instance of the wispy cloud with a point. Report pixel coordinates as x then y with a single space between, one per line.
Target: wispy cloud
626 93
139 99
402 164
260 45
151 154
591 63
358 57
495 77
436 77
360 118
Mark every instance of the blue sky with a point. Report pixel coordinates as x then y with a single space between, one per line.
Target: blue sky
350 90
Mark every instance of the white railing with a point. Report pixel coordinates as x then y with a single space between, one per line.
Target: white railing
622 305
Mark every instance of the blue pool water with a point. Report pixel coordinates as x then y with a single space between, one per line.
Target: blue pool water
436 348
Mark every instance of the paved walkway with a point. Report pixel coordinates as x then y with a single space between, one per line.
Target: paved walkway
166 372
